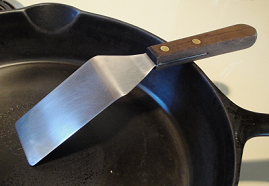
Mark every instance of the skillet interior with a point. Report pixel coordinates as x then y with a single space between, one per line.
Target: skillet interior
132 142
171 130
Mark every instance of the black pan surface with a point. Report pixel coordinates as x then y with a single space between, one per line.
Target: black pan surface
170 130
118 147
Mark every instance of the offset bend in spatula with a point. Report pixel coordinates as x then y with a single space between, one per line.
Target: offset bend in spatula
104 79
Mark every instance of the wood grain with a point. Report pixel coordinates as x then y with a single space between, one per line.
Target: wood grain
212 43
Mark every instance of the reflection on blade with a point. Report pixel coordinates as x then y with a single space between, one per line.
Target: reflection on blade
82 96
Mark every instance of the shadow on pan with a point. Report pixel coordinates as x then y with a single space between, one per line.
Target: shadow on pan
193 144
105 126
133 141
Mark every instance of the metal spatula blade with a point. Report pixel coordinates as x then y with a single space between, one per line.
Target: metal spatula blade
104 79
88 91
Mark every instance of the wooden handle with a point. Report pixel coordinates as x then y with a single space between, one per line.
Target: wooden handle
201 46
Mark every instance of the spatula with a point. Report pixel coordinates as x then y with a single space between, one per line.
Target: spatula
104 79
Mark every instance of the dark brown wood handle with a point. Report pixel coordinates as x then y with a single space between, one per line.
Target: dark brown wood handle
201 46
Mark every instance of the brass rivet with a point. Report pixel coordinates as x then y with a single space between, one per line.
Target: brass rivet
164 48
196 41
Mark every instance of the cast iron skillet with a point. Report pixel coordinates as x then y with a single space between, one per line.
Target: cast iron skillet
175 128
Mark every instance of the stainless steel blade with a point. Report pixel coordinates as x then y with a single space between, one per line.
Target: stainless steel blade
82 96
104 79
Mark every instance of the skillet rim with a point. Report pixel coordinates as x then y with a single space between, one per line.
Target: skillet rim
148 34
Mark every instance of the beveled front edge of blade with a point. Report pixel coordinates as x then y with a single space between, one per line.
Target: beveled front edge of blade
77 100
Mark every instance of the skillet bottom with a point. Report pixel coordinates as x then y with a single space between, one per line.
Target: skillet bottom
132 142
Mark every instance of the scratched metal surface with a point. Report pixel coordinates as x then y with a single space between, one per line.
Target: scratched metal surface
242 76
